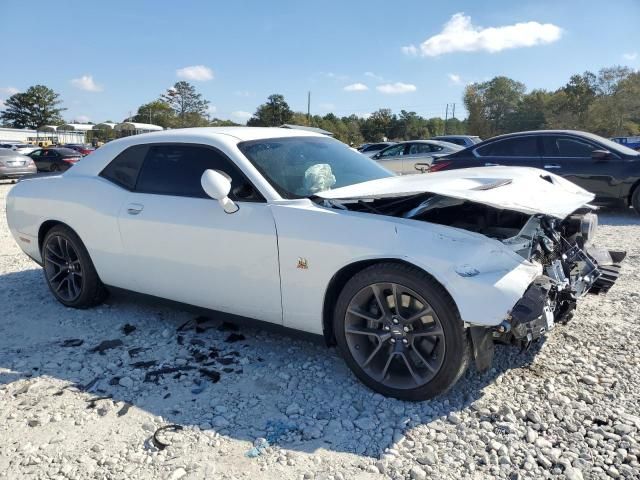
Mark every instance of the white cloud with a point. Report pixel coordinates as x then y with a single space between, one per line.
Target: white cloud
86 83
396 88
9 90
81 119
196 73
241 115
356 87
374 76
459 35
630 56
455 78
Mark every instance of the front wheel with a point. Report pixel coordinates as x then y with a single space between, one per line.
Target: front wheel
400 332
69 271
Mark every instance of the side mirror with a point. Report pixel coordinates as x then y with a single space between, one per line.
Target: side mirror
600 154
217 186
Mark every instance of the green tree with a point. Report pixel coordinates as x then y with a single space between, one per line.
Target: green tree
189 106
157 112
491 105
36 107
273 113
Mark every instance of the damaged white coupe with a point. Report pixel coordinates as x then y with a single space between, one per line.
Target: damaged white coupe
410 276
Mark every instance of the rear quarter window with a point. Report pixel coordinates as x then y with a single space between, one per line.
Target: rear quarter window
124 169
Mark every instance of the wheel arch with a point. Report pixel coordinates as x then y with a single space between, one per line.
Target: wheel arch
632 190
340 279
46 226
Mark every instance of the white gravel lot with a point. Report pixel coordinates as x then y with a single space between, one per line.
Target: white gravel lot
568 408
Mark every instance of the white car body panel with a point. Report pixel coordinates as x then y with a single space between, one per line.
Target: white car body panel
527 190
247 263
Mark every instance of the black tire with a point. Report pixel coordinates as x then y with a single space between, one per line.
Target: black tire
635 199
456 354
90 290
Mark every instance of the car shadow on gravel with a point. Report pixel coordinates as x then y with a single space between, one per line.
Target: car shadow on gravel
618 217
194 370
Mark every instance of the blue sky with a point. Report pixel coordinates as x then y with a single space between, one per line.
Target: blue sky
107 58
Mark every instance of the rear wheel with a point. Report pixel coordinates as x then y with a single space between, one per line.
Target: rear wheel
400 332
69 271
635 199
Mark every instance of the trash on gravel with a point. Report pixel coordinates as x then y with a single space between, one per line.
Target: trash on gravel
106 345
212 375
144 364
235 337
134 352
154 375
259 446
128 328
160 445
184 325
91 402
124 410
72 342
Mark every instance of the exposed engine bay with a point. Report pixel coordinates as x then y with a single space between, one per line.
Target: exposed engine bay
572 266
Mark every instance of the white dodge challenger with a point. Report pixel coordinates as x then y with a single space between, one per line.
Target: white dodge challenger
411 276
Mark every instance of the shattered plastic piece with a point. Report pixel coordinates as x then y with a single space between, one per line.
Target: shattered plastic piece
128 328
212 375
166 396
106 345
124 410
183 326
114 381
154 375
160 445
235 337
135 351
147 364
92 401
72 342
259 446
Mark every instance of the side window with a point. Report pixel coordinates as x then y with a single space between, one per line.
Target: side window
36 153
393 151
123 170
567 147
511 147
177 169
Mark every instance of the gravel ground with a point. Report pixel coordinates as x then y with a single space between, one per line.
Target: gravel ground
567 408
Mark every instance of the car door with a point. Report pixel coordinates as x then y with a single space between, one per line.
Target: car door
520 151
571 157
180 244
392 158
38 159
419 157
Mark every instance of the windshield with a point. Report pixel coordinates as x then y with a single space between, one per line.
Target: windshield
300 167
611 145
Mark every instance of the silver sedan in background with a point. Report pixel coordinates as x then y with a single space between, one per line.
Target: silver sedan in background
15 165
414 156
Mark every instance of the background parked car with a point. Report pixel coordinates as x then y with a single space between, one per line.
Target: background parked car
413 156
15 165
83 149
606 168
462 140
631 142
54 159
370 149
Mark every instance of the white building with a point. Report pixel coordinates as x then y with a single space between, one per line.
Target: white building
48 132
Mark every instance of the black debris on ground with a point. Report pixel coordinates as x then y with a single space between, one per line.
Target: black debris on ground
212 375
114 381
134 352
154 375
161 445
144 364
128 328
106 345
124 410
235 337
72 342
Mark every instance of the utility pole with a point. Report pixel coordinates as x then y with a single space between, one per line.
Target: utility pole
446 117
309 108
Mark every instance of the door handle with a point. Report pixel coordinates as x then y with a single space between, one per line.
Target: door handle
134 208
490 164
551 166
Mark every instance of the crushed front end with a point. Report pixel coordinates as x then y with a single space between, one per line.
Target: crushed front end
572 267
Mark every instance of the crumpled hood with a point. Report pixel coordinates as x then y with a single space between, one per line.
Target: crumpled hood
522 189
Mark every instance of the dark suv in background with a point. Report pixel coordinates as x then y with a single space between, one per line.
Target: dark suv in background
606 168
